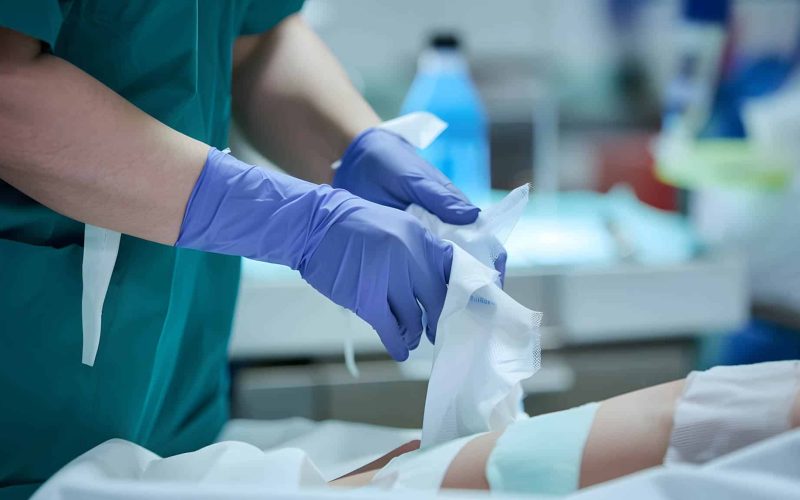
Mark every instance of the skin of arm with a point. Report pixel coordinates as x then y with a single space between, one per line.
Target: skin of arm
293 100
72 144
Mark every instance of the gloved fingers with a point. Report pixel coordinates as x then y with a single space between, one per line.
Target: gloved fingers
431 295
500 265
413 341
405 308
390 333
444 201
437 175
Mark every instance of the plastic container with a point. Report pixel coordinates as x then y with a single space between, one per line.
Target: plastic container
443 87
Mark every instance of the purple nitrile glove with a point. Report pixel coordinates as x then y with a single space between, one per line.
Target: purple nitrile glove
382 167
374 260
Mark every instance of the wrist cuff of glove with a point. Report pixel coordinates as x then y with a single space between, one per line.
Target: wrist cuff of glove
240 209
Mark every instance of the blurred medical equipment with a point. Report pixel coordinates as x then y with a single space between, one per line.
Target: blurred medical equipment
704 142
730 138
700 45
444 87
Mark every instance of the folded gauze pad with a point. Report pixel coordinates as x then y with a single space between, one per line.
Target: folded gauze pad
486 342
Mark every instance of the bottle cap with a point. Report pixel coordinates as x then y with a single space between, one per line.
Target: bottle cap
444 40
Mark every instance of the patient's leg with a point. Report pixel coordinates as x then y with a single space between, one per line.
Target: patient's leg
634 431
708 414
629 433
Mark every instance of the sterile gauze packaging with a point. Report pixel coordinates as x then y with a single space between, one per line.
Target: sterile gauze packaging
486 342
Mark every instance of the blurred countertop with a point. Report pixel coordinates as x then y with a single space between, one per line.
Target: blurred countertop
601 267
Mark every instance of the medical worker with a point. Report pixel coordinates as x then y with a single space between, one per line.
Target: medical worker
115 114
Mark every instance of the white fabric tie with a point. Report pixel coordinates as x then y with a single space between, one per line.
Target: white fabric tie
100 249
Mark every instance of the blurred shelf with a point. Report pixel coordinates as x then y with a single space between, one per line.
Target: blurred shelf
279 316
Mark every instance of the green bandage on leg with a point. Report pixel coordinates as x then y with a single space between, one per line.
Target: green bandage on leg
542 454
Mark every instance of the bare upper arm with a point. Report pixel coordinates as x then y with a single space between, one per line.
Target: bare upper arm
246 45
243 48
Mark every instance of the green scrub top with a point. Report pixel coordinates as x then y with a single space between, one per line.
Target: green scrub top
160 378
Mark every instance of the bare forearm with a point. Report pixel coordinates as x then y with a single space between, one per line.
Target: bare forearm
77 147
294 101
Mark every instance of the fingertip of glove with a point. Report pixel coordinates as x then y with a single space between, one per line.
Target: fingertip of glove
430 332
399 355
447 262
391 336
396 347
459 214
500 267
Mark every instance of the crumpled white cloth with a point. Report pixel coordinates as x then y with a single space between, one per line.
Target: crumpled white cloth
335 447
254 459
116 466
486 342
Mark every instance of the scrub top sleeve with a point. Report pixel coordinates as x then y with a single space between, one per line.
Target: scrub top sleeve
263 15
40 19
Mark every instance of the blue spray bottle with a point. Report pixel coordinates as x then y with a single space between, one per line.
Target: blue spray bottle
443 87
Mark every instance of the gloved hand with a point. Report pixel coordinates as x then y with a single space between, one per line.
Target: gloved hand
374 260
382 167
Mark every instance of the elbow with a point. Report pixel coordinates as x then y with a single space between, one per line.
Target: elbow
17 49
20 55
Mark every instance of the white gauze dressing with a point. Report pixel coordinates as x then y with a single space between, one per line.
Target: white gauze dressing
486 342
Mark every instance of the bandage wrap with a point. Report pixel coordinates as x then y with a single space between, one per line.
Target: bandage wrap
729 407
542 455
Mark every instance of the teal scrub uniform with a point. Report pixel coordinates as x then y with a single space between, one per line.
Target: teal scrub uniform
160 378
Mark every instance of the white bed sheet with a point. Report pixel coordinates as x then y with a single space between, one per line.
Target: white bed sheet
769 470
